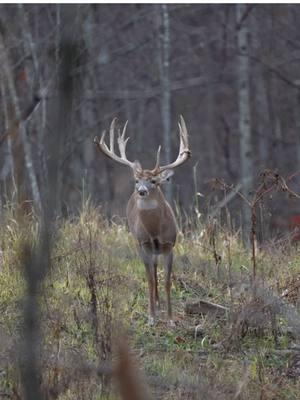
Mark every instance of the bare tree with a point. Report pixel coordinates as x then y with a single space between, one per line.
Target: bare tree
244 105
164 68
7 70
167 58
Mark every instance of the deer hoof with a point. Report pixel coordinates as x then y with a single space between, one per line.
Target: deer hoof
151 321
171 323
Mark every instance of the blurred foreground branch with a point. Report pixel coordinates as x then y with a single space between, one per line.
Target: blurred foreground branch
36 260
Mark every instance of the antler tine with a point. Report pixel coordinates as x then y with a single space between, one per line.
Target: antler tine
124 130
112 135
183 135
156 168
101 143
184 151
122 142
109 151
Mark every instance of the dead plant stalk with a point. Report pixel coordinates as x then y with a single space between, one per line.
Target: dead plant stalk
269 181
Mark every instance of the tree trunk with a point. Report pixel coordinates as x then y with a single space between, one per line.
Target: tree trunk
97 81
297 124
35 77
7 167
7 71
261 122
244 111
164 61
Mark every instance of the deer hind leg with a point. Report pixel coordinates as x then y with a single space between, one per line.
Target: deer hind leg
150 273
168 263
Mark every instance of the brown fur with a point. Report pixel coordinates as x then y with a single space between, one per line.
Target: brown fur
150 217
155 231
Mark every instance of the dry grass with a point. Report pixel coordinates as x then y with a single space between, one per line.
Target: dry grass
95 296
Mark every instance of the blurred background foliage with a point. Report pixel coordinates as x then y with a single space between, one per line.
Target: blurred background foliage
232 71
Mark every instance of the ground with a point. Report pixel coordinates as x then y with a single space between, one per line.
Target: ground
94 297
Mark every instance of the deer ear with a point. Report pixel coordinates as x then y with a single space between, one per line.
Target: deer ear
166 175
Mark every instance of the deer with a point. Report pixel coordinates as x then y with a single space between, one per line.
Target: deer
150 217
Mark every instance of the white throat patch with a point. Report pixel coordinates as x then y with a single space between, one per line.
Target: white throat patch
146 204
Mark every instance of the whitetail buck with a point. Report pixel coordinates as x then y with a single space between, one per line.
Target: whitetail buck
150 217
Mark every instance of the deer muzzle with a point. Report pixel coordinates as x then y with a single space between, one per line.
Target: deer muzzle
143 191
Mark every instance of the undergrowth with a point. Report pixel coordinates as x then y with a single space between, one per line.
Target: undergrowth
95 296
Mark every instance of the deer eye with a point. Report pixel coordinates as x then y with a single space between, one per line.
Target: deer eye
136 181
153 181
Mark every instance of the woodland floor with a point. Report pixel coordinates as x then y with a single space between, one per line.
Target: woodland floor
94 297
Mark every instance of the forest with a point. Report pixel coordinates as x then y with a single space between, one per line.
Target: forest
73 288
230 71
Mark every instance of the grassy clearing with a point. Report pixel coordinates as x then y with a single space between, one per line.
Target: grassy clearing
96 292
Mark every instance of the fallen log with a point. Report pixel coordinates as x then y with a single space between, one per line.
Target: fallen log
206 307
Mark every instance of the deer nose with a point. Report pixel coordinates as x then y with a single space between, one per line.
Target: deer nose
142 192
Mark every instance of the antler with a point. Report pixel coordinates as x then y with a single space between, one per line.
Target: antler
184 152
122 142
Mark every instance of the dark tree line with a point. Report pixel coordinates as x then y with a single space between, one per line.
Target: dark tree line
232 71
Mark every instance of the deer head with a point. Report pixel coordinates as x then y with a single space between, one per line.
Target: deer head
145 180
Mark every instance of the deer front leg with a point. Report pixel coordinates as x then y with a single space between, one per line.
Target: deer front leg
168 263
150 273
155 262
151 285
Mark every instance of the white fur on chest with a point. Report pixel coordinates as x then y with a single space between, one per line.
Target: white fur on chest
147 204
